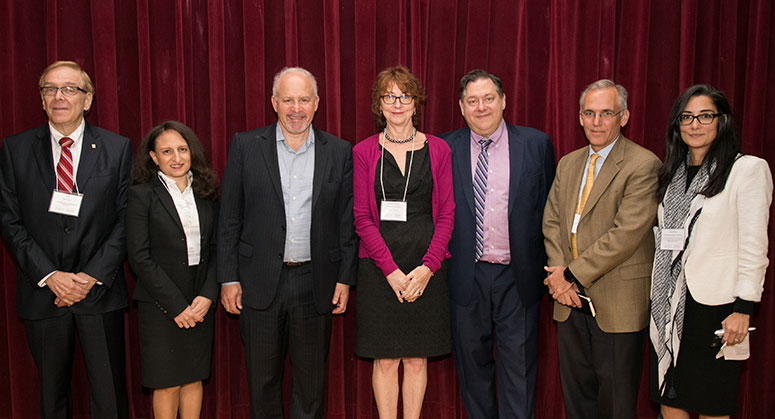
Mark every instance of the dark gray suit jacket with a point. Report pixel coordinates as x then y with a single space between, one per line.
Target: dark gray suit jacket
251 230
41 241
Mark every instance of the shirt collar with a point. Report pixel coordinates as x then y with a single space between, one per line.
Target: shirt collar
170 184
605 151
281 137
496 136
76 135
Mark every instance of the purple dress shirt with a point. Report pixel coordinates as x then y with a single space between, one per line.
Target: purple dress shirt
496 204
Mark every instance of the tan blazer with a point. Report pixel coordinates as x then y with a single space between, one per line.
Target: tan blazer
614 237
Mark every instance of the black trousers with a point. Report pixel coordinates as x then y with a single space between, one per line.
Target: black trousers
290 323
503 385
101 336
600 372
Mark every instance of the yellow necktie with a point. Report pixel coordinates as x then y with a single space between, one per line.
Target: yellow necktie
583 199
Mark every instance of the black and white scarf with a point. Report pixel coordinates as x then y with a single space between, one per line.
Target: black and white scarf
668 284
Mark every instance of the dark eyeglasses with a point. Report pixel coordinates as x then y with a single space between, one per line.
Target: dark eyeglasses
703 118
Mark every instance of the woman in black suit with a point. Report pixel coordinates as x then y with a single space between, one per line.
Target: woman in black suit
170 222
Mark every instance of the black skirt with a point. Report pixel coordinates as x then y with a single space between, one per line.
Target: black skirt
171 356
699 382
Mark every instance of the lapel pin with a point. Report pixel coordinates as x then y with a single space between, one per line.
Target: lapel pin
94 145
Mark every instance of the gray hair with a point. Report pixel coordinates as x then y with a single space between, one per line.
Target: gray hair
605 84
299 70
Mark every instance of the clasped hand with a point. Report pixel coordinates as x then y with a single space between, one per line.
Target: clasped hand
409 287
69 287
194 313
564 292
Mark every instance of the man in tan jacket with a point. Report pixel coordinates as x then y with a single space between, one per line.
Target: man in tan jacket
599 243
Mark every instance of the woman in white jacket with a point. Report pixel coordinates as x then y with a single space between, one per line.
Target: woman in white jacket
710 259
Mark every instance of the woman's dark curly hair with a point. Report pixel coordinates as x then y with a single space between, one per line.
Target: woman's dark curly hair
406 81
205 182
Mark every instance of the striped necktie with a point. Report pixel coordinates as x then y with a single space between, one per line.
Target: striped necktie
65 167
480 193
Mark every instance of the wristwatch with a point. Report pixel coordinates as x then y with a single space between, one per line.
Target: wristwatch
568 275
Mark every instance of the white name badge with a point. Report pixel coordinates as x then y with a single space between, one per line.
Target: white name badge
672 239
65 203
393 211
575 225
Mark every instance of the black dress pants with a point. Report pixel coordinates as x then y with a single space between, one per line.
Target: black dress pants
600 372
101 337
290 323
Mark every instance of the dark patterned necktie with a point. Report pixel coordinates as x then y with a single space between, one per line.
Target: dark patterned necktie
480 193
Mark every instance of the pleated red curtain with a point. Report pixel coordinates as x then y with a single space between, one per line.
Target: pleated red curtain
210 65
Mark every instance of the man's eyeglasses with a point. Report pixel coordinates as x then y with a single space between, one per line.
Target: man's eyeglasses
703 118
66 90
605 115
389 99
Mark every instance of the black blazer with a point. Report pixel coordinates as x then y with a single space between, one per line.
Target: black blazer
531 171
41 241
157 249
251 229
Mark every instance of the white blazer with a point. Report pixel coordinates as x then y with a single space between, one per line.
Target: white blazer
727 253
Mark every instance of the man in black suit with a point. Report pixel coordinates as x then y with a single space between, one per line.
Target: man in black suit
496 269
63 196
287 246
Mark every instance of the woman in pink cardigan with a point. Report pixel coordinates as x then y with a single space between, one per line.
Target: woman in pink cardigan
404 210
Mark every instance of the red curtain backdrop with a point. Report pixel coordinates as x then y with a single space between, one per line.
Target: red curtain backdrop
210 65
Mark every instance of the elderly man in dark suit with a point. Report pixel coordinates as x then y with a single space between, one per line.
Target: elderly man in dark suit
62 201
287 246
501 175
597 228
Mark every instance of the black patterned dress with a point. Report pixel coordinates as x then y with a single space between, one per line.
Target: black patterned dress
385 328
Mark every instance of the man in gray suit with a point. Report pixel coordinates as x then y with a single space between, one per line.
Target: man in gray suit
287 246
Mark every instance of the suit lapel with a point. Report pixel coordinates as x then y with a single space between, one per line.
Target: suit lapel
90 149
608 171
268 146
204 209
43 157
166 201
321 165
516 154
461 154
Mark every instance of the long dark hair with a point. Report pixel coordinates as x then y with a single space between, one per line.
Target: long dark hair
723 150
205 182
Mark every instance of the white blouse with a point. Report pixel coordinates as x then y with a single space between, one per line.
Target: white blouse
189 216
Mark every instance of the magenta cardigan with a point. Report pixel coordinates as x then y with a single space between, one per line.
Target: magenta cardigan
365 157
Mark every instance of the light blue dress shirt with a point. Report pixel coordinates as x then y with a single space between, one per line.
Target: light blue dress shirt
297 169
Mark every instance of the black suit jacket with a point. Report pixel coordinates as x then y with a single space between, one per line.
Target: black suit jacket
158 253
531 161
41 241
251 231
